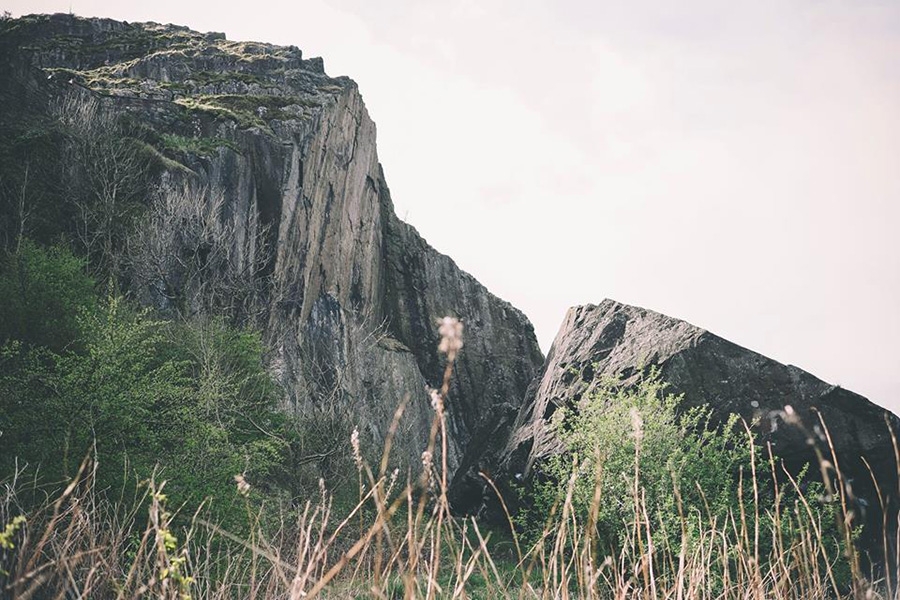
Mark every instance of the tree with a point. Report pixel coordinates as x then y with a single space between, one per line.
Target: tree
32 195
106 178
644 455
192 398
187 256
43 292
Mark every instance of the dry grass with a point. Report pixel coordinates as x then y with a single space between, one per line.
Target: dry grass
401 541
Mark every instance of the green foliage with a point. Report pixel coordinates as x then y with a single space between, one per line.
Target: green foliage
634 444
229 425
31 177
201 146
249 104
43 291
670 471
190 400
9 532
243 109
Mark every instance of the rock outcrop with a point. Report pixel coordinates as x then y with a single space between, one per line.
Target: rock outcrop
613 340
351 295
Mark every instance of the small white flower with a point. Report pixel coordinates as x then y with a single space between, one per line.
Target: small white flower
437 401
637 425
242 485
451 336
392 481
790 415
354 443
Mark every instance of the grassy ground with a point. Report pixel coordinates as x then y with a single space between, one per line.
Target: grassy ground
400 541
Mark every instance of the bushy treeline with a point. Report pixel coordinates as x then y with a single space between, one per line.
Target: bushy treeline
615 519
83 372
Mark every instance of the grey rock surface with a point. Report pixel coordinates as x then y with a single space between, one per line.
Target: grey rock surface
351 295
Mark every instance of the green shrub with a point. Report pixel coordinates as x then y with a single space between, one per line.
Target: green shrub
42 292
636 466
634 444
191 401
200 146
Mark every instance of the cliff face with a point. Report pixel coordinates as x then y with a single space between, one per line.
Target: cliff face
613 340
351 295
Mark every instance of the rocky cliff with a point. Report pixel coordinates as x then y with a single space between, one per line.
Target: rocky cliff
614 340
286 156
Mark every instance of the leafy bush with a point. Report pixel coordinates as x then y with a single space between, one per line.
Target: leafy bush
229 425
200 146
633 445
642 473
42 291
192 398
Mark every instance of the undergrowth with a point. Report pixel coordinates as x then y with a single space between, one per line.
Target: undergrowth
401 540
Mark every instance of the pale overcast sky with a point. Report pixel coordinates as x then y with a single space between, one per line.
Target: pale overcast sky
734 164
